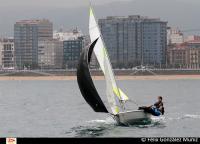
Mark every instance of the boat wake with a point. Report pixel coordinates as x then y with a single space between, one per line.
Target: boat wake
100 127
158 122
94 128
160 119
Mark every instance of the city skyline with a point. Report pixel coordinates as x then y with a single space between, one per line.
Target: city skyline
66 15
131 39
43 48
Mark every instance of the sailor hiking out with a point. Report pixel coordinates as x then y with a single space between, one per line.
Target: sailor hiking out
157 109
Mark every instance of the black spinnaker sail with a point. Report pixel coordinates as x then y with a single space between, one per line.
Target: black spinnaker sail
85 82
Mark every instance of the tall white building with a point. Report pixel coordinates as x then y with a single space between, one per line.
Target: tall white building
7 53
174 36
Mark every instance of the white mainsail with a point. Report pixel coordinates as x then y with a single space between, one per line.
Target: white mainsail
104 62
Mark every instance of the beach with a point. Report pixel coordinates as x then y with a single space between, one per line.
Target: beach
152 77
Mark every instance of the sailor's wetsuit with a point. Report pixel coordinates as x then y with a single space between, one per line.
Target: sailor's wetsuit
157 109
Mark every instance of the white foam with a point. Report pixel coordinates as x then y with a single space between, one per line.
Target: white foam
108 120
192 116
158 119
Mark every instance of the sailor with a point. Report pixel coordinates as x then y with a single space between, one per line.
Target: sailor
159 105
157 109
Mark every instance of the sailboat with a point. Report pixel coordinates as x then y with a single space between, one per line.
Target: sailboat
115 96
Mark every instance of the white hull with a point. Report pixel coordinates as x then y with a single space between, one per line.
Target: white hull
131 117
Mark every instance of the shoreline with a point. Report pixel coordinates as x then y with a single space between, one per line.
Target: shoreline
68 78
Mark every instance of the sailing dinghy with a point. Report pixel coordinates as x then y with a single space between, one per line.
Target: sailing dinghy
115 96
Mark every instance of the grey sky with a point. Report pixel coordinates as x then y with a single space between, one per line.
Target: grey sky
65 3
51 3
74 13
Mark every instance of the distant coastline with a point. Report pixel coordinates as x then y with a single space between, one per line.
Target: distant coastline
118 72
67 78
172 74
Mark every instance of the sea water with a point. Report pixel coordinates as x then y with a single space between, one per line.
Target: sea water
57 109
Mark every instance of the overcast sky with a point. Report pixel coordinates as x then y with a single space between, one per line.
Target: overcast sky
71 13
65 3
52 3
